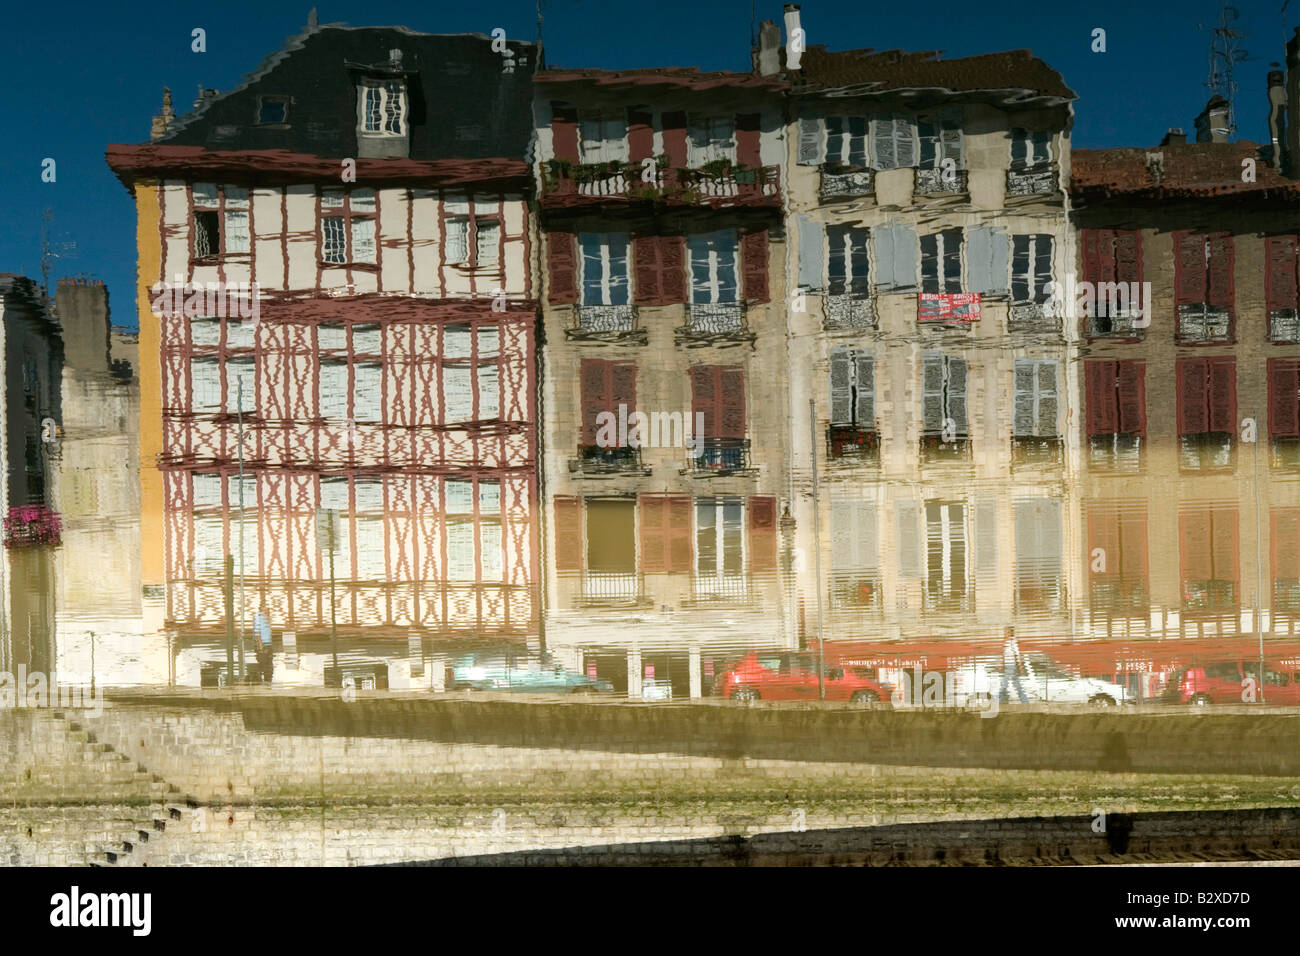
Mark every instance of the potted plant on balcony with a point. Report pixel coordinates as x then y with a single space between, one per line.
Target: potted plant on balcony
32 525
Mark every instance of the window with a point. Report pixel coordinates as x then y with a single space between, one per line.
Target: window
1035 399
1203 286
666 533
1116 412
205 385
1031 268
846 140
713 257
719 537
474 540
1039 576
604 139
1207 412
220 220
241 386
606 386
855 559
472 241
208 558
943 397
611 536
604 264
348 226
1030 149
852 389
1284 552
334 390
1284 411
334 495
846 261
383 107
1208 557
471 381
893 142
941 262
945 555
712 139
941 138
718 394
1117 557
371 539
272 110
1282 287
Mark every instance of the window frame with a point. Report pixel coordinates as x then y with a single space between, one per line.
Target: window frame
219 208
607 277
349 218
383 84
714 284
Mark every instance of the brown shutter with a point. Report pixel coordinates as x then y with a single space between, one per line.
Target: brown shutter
1133 545
675 138
1092 239
640 136
1103 533
731 410
596 396
672 269
1189 267
645 257
564 131
762 533
704 397
1282 283
1220 280
568 533
622 390
748 151
1193 387
563 262
1223 395
1284 543
1194 545
1223 531
753 258
680 553
654 533
1284 398
1132 403
1128 255
1099 387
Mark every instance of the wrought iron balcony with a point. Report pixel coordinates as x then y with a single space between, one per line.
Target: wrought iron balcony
839 182
1119 325
855 589
1031 317
718 456
1209 595
948 596
934 449
1284 325
31 525
1207 451
1200 322
716 184
1117 598
1035 450
1033 181
730 586
594 461
1286 594
849 313
612 587
607 323
720 323
1036 592
853 443
933 182
1115 452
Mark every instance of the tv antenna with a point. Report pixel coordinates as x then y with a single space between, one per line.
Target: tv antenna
52 250
1226 51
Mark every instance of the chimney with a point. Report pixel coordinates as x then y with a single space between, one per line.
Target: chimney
163 121
82 309
1175 137
1291 141
768 58
1276 117
794 40
1212 124
205 95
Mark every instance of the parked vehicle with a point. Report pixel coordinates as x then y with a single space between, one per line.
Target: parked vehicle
793 676
1236 682
513 671
1042 679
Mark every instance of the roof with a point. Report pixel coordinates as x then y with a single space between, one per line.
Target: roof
1014 76
682 77
1184 171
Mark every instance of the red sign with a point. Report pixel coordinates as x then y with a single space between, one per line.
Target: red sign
949 307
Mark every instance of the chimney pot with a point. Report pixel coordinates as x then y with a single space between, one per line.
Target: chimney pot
1175 137
768 57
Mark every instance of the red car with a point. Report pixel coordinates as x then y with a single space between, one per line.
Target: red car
1225 682
790 676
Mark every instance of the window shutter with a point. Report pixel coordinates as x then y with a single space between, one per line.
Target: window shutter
810 254
1193 407
1099 387
564 131
674 134
857 141
731 390
1103 533
951 261
1220 280
841 387
1089 242
654 533
904 250
762 533
753 257
568 533
622 386
930 268
680 552
1133 545
884 149
704 398
563 268
810 141
1223 531
932 393
957 375
596 396
909 538
1128 255
1132 400
1284 398
1284 543
672 269
748 140
645 259
986 260
1281 254
904 141
1189 282
866 382
1195 556
1046 398
986 538
1223 395
640 136
1024 401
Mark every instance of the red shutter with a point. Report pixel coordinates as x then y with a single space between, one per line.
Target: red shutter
1221 270
654 533
645 260
731 406
1223 540
622 390
1099 386
1284 543
672 269
1091 262
564 131
1194 545
680 553
568 533
1128 255
753 259
704 397
1284 398
748 126
1189 267
762 533
1103 533
1132 402
1133 545
1193 388
675 138
1223 395
563 262
1282 282
597 396
640 136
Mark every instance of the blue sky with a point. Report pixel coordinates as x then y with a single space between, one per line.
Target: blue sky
80 75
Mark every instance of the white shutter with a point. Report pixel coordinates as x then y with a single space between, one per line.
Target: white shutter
460 549
488 233
957 375
367 392
905 141
236 232
866 389
334 391
810 253
909 538
1024 403
363 240
932 393
987 253
841 387
489 392
457 393
1047 403
811 142
489 533
884 152
205 379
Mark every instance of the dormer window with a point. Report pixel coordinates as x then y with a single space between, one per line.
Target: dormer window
272 110
383 107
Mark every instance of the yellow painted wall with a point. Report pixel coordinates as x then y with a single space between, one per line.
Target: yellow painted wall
149 249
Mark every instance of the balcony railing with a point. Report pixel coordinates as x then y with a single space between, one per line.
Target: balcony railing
1033 181
1117 598
1204 323
612 587
594 461
1284 325
1286 452
853 443
29 526
935 449
715 323
1035 450
857 589
718 456
933 182
730 586
1121 325
1037 592
1205 452
1286 594
841 183
849 313
1210 595
948 596
715 184
1115 452
1031 317
607 323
